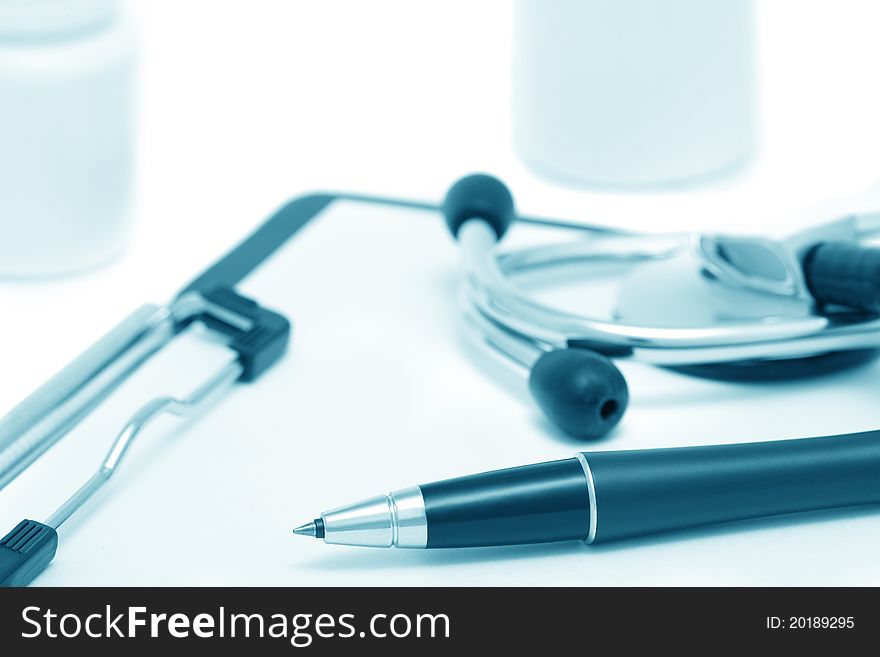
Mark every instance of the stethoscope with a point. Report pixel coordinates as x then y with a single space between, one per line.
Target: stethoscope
722 305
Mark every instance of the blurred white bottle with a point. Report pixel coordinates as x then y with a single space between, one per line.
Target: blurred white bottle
634 93
66 83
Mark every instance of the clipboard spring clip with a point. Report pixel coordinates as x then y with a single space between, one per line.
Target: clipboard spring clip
257 335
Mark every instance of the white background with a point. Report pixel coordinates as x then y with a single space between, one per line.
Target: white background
246 104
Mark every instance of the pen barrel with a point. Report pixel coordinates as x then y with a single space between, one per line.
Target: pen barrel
648 491
537 503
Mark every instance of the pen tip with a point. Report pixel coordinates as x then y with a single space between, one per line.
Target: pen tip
307 529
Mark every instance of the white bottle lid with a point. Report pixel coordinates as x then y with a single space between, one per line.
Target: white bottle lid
21 17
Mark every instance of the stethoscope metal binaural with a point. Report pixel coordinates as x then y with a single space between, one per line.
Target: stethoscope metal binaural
822 286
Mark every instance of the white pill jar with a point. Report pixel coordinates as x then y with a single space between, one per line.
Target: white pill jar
634 93
66 135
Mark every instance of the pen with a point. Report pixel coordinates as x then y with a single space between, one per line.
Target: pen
609 495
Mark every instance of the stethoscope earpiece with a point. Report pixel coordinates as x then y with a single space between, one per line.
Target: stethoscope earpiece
580 391
479 196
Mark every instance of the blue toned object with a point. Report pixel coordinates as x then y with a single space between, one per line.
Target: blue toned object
532 503
257 335
634 93
844 274
655 490
605 496
25 552
580 391
67 71
747 308
479 196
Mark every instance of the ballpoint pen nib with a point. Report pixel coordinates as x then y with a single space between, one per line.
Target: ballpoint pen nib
308 529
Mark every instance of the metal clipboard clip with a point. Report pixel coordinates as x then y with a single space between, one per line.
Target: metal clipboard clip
257 335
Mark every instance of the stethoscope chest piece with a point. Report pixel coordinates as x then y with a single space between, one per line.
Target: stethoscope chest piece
678 292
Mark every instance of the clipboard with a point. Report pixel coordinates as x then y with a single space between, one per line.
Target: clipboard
378 387
256 335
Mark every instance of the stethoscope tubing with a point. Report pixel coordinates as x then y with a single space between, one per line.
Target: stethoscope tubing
523 328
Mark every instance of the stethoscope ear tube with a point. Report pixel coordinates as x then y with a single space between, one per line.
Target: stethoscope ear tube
583 393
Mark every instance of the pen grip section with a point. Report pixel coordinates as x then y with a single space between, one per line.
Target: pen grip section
648 491
536 503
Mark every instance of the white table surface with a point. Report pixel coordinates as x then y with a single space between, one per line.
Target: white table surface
236 116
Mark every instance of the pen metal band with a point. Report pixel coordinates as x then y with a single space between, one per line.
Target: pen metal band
409 521
591 491
394 520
